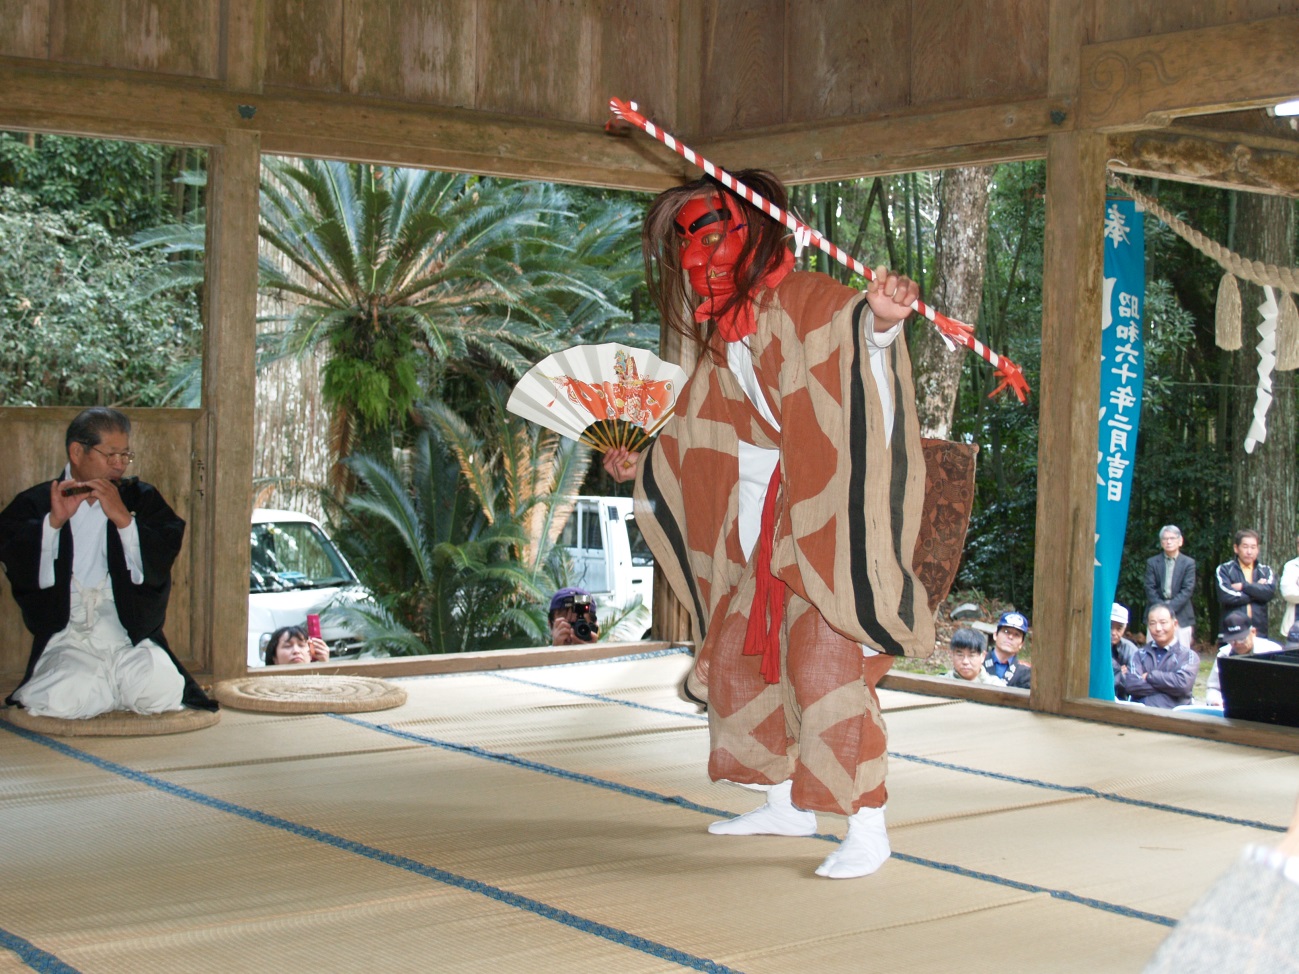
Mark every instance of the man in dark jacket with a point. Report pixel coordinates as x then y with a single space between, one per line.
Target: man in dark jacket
89 558
1162 672
1170 578
1245 583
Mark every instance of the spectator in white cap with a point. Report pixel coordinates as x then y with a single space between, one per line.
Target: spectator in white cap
1121 648
1239 638
1003 662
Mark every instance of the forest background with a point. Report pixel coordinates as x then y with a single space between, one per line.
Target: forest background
407 303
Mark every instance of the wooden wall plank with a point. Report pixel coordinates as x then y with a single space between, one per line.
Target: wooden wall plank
25 28
179 37
1119 21
413 50
541 65
847 58
639 58
224 510
162 438
742 81
690 19
243 44
1144 82
973 52
304 43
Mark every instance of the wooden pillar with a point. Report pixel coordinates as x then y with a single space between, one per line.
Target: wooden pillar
229 393
1069 399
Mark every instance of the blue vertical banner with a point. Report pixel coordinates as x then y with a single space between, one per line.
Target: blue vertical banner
1123 372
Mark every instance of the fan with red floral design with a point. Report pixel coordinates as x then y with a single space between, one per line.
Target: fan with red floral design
606 395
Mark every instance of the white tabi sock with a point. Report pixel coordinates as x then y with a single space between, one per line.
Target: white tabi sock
864 849
779 816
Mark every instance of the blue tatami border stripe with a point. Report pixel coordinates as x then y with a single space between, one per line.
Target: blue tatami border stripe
1080 790
33 956
544 910
682 802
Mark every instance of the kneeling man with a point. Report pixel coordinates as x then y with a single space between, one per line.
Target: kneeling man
89 559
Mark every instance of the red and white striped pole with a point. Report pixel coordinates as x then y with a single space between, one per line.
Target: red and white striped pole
956 331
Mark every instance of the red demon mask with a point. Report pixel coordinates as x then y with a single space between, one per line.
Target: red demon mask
712 234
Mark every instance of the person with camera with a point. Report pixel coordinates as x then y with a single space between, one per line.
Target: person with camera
294 644
572 618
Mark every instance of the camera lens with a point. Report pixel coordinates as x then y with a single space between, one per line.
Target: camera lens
582 630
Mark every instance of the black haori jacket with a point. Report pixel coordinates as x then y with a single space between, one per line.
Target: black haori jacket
141 608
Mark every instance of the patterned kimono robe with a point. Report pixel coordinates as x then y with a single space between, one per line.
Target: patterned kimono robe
847 519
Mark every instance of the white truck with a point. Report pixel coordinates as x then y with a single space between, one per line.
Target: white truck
609 556
296 570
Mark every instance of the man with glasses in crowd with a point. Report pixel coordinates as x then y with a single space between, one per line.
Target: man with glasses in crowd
1170 578
88 557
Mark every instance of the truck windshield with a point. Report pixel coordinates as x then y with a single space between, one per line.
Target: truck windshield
294 555
641 556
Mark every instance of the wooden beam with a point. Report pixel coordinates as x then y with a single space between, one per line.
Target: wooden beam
109 103
1190 156
223 504
963 136
1145 82
1191 725
1118 714
940 686
483 662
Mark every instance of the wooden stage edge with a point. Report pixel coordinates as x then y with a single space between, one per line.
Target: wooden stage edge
1227 731
1221 729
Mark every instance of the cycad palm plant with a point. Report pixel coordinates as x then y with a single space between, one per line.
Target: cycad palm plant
456 536
406 272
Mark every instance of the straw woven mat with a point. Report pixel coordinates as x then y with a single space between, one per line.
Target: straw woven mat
309 694
553 820
116 723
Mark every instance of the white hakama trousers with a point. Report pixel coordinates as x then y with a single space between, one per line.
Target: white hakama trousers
91 667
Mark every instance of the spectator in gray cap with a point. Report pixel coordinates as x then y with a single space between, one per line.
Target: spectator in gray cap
1239 638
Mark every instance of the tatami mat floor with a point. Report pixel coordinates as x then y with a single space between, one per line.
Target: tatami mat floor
552 819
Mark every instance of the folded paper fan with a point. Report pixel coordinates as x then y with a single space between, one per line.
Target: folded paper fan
604 395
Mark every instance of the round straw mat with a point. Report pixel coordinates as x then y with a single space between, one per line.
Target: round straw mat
309 694
115 723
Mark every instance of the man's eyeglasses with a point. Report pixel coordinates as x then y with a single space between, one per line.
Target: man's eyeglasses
125 458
